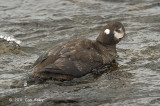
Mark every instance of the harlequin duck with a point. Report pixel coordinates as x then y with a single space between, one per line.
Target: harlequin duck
77 57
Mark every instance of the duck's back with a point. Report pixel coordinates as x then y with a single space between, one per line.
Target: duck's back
73 58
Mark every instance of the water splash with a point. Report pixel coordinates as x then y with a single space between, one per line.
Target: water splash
10 39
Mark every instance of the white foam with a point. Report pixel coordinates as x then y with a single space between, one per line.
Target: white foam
10 39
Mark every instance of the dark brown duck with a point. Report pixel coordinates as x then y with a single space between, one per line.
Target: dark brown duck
78 57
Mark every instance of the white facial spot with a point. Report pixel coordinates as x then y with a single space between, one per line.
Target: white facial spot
107 31
118 35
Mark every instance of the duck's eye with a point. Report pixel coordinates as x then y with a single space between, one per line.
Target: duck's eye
117 30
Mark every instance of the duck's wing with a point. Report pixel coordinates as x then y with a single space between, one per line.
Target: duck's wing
51 54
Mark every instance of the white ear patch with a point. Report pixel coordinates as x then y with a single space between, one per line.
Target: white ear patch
107 31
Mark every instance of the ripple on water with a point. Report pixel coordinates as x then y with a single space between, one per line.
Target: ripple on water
42 24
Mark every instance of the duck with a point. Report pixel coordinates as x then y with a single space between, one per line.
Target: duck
78 57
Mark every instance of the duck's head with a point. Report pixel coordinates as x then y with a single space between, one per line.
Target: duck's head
112 33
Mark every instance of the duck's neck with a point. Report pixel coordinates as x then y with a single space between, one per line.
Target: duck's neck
102 46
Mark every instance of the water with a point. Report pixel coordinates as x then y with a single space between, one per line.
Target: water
40 24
